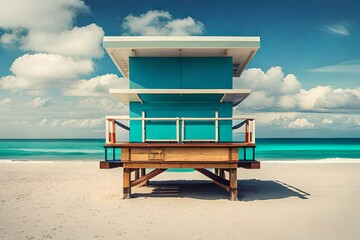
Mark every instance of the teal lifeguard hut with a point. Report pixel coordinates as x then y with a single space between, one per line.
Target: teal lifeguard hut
181 100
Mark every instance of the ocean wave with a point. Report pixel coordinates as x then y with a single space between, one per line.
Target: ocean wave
324 160
54 150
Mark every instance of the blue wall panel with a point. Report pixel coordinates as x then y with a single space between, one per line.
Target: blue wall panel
154 72
185 72
209 73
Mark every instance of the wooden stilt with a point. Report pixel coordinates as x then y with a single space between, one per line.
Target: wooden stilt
143 173
233 184
216 171
137 174
222 173
126 183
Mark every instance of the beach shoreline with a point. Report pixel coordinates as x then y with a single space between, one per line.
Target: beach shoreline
77 200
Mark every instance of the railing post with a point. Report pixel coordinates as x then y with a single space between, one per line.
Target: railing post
107 134
177 130
253 131
143 126
216 126
247 131
182 130
113 131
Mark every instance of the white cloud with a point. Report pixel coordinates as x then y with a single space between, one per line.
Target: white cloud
327 121
157 23
324 97
300 123
307 99
272 90
40 71
50 15
77 42
275 119
287 102
338 29
50 123
97 86
106 105
72 123
5 102
343 67
273 81
11 38
82 123
40 102
46 27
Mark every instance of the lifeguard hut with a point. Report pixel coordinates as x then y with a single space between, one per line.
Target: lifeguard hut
181 101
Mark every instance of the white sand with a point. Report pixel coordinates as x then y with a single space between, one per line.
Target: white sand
77 200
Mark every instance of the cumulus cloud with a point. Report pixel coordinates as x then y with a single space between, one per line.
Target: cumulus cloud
78 42
161 23
97 86
324 97
40 102
46 26
52 15
272 90
272 81
300 123
39 71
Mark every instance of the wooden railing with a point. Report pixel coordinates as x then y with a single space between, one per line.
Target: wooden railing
113 121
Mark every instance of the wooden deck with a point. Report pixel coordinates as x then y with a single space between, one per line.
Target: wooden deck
222 157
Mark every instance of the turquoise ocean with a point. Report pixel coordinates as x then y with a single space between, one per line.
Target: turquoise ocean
92 149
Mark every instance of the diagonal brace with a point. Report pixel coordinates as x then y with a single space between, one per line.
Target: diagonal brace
142 180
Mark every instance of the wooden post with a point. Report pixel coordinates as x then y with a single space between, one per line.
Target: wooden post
126 183
113 131
233 184
216 171
247 131
143 172
222 173
137 174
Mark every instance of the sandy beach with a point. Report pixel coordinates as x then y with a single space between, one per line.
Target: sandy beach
77 200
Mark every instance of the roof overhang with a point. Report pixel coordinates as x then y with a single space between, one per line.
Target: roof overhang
234 96
241 49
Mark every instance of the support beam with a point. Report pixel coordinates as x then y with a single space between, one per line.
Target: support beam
139 182
233 184
127 183
216 179
143 173
222 173
137 174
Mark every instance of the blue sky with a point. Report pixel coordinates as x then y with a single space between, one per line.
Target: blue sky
305 78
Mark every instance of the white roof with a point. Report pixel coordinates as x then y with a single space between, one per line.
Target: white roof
241 49
235 96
